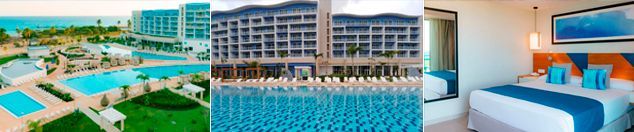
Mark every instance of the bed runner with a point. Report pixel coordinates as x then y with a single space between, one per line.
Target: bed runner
587 113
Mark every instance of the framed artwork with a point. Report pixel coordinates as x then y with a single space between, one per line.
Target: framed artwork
612 23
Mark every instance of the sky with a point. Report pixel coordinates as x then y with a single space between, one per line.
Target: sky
360 7
84 7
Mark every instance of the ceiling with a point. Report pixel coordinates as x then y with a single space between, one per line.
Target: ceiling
547 4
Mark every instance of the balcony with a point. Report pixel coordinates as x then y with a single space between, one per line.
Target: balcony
296 46
310 45
310 37
296 38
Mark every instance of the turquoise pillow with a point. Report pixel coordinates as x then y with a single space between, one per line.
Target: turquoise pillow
556 75
594 79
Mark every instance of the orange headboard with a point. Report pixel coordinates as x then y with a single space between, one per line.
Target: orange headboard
623 63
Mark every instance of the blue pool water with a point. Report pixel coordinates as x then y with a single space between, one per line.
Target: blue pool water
19 104
98 83
316 109
151 56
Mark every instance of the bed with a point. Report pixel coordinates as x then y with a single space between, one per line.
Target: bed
500 109
440 83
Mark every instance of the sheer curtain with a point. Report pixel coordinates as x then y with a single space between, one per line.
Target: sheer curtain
442 44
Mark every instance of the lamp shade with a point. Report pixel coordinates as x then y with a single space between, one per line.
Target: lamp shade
535 38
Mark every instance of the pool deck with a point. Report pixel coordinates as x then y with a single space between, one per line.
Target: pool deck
9 122
305 83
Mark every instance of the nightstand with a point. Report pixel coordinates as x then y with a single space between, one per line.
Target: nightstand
526 78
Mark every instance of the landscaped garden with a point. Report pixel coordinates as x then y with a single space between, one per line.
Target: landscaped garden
163 111
48 87
74 122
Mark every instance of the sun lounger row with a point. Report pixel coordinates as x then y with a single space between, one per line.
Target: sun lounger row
80 73
48 96
216 81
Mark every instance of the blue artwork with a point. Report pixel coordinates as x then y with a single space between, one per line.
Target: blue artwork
606 24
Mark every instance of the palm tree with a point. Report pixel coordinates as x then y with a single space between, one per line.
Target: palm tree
99 22
3 35
27 34
144 78
52 31
370 63
252 64
129 24
352 52
283 55
163 78
197 77
118 22
180 76
35 125
389 55
316 56
125 89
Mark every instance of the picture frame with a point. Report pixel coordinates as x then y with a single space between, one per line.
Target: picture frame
611 23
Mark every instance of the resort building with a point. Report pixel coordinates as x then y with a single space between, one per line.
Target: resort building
193 26
38 51
185 28
290 34
21 71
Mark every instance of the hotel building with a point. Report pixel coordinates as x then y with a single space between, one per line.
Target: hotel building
300 29
185 28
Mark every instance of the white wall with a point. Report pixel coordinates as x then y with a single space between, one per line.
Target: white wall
493 50
544 26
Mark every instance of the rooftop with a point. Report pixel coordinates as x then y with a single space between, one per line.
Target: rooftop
20 67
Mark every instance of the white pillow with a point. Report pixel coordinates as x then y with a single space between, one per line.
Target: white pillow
622 84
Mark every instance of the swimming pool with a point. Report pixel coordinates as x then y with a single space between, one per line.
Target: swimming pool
98 83
19 104
316 109
150 56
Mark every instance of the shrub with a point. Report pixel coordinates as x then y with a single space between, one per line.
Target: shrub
48 87
165 99
104 101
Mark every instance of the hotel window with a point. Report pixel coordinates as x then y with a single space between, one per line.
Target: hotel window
426 47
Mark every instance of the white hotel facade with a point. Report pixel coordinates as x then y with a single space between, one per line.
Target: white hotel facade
184 28
301 29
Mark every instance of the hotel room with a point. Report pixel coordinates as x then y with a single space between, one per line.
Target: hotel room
536 66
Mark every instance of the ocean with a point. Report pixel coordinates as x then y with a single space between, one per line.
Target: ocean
10 23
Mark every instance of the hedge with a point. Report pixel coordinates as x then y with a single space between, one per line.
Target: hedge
165 99
48 87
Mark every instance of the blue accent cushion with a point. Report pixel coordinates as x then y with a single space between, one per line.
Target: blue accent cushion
556 75
594 79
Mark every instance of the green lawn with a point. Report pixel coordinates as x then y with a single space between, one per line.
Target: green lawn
6 59
141 117
205 84
75 122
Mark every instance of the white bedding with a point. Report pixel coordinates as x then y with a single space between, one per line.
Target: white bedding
534 117
435 84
